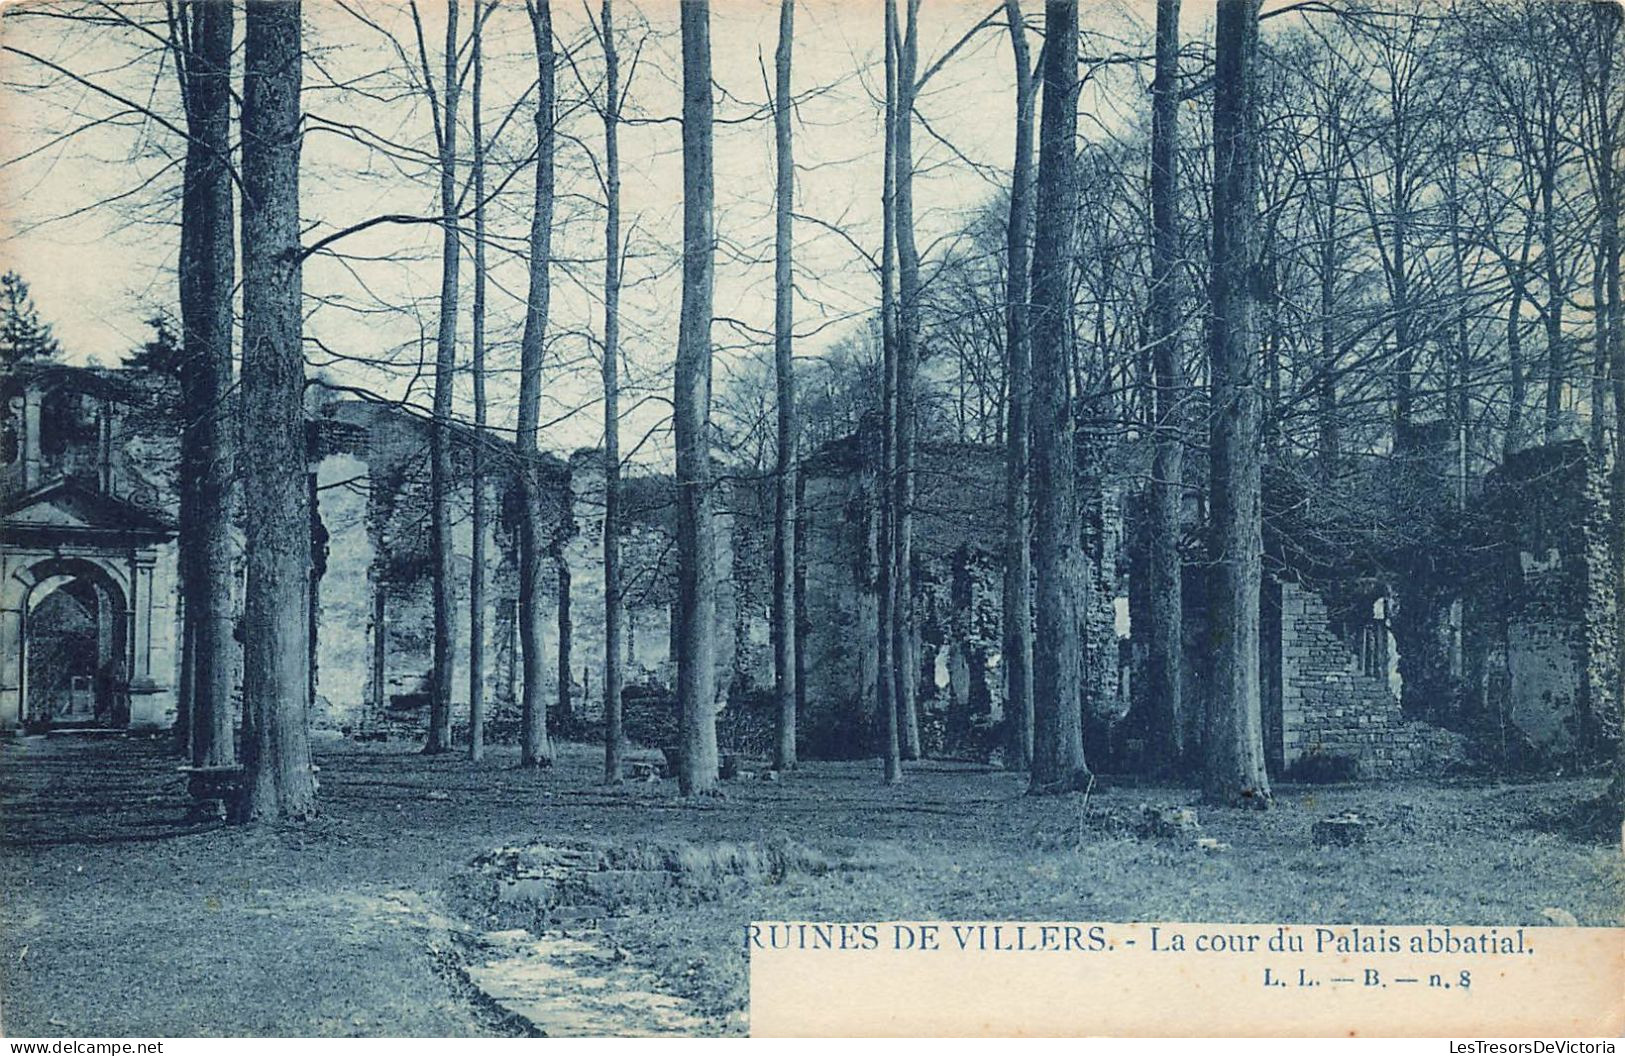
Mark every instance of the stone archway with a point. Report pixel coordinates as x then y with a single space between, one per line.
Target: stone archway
75 649
64 655
74 644
68 530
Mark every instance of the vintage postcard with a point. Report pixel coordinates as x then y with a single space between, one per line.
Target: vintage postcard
829 518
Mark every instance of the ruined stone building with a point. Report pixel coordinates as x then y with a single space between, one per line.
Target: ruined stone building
1409 623
92 601
1540 675
375 607
87 554
958 595
1411 620
1416 620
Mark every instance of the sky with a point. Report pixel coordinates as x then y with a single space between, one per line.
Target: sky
89 190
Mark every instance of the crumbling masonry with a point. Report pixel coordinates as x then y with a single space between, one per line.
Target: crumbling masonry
1509 658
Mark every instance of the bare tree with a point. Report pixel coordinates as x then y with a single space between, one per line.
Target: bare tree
1403 137
1533 94
784 521
886 528
478 516
443 108
696 543
1609 115
1058 763
1165 651
1595 39
276 623
614 650
563 704
535 747
1323 166
905 665
1018 598
207 276
1234 736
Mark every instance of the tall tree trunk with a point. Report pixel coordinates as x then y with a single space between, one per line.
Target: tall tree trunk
1461 366
1609 20
1326 410
1234 740
181 738
1058 763
318 568
1329 432
191 529
696 532
1598 397
905 665
1270 423
801 617
1556 343
614 651
188 538
1404 381
535 748
441 472
784 482
1517 383
1018 561
564 705
276 647
1165 655
1460 408
886 683
477 515
1605 287
207 277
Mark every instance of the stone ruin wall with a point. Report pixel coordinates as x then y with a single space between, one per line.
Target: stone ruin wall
1103 503
372 493
1543 661
840 617
1330 706
958 597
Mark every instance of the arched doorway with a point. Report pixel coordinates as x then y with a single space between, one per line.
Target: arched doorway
76 648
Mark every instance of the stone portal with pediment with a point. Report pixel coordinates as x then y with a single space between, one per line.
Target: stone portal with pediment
88 626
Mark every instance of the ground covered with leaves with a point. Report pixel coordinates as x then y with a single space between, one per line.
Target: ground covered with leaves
118 918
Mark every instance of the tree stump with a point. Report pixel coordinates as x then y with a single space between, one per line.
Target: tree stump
1165 822
1344 830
